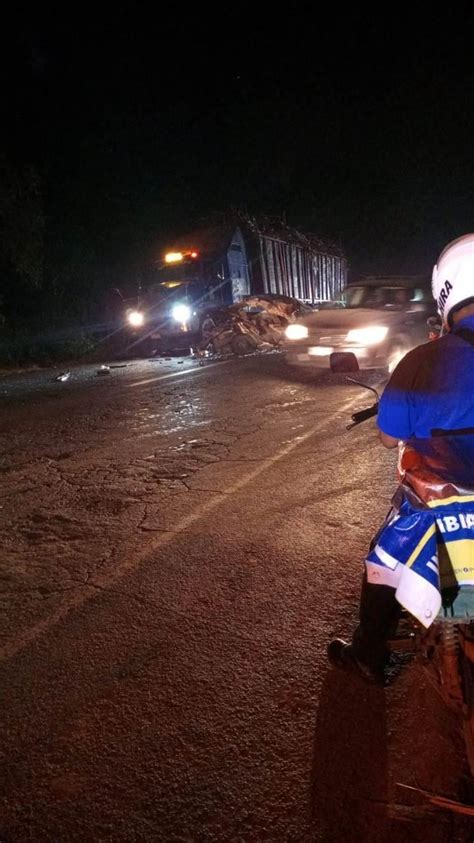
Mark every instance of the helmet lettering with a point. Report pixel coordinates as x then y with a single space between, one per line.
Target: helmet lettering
443 296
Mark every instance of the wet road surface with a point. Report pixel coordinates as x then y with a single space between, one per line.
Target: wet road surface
178 544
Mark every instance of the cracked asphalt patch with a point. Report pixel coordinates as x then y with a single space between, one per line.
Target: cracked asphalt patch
172 565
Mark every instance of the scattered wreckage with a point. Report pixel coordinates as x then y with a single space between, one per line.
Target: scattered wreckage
256 323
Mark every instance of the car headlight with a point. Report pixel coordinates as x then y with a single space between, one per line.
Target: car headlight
367 336
296 332
136 318
181 312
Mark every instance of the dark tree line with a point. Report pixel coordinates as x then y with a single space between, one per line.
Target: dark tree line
22 237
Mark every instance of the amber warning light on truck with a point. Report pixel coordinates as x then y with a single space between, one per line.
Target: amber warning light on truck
177 257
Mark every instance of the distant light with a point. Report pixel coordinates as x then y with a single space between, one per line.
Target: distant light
173 257
181 312
136 318
194 254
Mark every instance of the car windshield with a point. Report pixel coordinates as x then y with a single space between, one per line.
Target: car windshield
380 297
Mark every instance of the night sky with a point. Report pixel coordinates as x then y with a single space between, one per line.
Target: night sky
355 128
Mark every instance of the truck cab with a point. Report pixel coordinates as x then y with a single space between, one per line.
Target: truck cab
194 277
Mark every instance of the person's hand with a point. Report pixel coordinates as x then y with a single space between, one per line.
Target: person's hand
388 441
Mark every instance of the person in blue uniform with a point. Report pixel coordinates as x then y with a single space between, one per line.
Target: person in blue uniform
430 394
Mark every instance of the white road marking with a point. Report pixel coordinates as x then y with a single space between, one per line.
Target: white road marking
180 373
132 562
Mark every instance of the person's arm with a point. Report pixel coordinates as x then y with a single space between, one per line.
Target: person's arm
396 417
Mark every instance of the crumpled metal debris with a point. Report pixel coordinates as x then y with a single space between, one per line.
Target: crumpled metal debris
254 324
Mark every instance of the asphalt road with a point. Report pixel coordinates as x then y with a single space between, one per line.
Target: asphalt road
178 544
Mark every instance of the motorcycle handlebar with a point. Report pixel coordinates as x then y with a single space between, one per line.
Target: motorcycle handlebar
362 415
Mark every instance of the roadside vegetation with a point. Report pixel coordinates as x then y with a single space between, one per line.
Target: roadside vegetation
48 294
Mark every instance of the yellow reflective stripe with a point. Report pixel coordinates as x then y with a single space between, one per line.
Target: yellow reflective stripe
461 557
453 499
430 532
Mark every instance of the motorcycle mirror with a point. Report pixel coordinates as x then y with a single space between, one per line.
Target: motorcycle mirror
343 362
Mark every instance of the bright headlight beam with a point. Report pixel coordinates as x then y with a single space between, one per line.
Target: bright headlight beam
367 336
181 312
296 332
136 318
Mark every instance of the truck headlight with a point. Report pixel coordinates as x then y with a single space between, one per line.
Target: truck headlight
181 312
367 336
135 318
296 332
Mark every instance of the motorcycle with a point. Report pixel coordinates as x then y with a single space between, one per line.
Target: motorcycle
446 647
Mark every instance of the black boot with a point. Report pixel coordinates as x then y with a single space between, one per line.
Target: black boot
368 653
341 655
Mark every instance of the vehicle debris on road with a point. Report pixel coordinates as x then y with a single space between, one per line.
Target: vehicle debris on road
63 376
256 323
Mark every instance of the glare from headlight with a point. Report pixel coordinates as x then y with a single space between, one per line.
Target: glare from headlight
136 318
181 312
296 332
367 336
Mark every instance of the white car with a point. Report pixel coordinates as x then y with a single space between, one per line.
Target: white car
378 319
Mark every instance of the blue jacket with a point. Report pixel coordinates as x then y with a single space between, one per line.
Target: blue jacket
432 388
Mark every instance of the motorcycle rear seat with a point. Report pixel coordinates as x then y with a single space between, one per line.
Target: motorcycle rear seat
438 469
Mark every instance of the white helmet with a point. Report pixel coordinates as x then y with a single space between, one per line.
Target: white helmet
453 277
